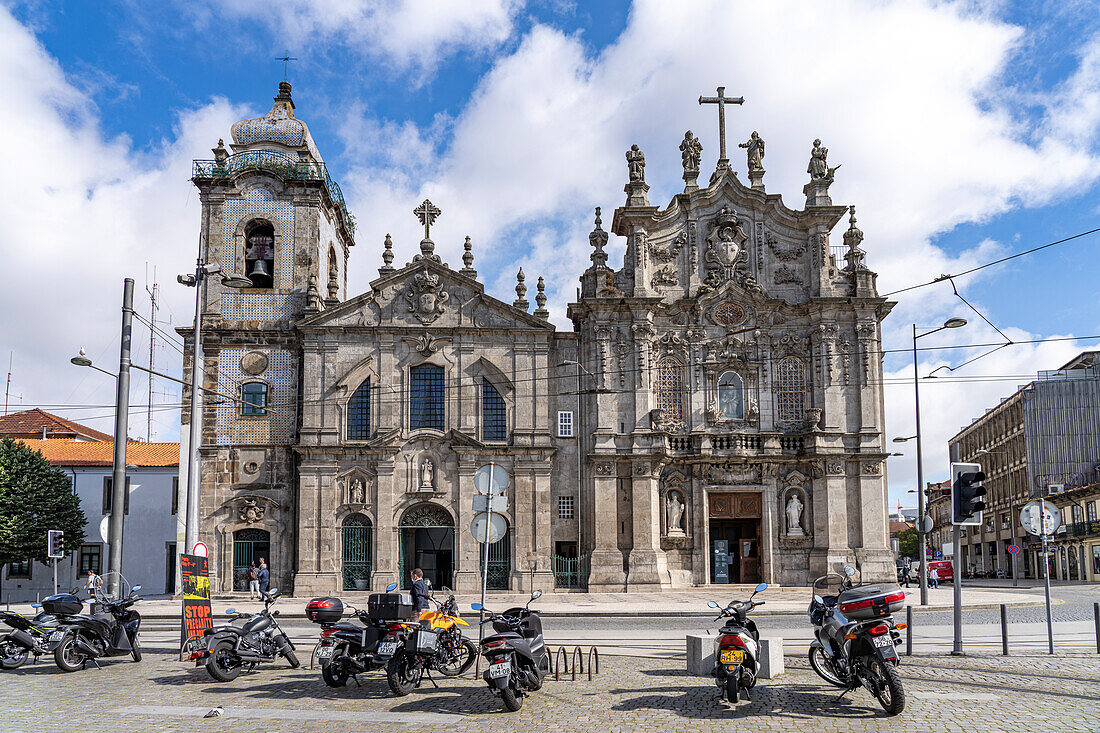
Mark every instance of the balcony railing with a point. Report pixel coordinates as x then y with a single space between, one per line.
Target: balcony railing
282 165
1083 529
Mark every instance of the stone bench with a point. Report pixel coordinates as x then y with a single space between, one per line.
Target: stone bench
700 656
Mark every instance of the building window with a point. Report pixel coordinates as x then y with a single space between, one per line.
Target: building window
108 482
1004 521
359 413
175 494
565 424
1090 511
494 415
90 559
790 388
254 395
426 397
731 396
566 507
670 389
1076 513
19 569
259 254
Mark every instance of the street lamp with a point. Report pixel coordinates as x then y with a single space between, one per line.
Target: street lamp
949 323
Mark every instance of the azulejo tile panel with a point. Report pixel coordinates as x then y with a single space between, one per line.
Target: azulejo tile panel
260 202
277 427
257 307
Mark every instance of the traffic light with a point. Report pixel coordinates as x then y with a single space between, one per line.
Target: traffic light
55 543
967 493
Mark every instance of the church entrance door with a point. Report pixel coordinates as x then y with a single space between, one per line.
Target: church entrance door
249 545
735 530
428 543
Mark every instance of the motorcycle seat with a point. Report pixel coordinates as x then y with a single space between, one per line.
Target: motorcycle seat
346 626
224 629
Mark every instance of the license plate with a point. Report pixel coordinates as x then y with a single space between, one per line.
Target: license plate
325 652
500 669
57 636
883 641
387 648
731 656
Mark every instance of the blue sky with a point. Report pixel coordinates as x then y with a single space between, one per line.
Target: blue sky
966 131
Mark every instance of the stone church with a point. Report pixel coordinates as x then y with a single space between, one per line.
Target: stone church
715 416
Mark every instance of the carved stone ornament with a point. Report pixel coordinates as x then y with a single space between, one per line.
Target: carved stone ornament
784 254
357 491
427 344
254 363
664 425
834 468
664 277
726 252
250 511
605 469
668 252
426 297
641 469
728 474
786 276
727 350
872 468
674 513
813 418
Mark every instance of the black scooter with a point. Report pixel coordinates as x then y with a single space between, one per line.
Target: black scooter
111 630
260 639
518 662
346 649
28 636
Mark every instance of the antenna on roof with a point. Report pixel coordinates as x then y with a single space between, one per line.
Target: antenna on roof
7 389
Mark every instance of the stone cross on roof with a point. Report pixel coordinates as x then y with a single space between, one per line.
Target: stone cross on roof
722 100
427 213
286 58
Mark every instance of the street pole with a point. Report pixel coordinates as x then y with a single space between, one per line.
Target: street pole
55 576
191 520
920 482
956 560
485 552
1046 573
118 480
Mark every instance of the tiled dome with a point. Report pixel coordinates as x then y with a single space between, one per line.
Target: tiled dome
277 126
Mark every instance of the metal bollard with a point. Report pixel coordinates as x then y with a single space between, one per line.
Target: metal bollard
1096 622
1004 630
593 655
908 631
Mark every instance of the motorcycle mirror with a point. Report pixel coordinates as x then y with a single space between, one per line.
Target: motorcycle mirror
819 599
230 611
36 605
849 571
135 589
391 587
712 604
536 594
271 593
476 606
761 588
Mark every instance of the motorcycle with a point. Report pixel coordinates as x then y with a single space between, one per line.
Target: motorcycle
737 653
259 639
28 636
435 644
110 630
516 654
346 649
856 638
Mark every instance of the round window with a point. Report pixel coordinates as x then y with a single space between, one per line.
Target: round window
728 314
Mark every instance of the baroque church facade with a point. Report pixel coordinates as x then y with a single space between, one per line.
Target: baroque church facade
715 416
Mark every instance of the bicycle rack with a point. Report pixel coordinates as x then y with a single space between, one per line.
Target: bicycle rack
571 664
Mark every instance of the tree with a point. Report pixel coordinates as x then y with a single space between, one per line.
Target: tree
908 543
35 497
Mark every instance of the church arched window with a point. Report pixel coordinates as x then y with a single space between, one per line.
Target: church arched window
494 414
426 397
670 388
359 413
259 254
790 392
731 396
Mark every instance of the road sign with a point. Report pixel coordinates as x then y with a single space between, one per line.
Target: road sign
496 524
927 525
938 554
1040 517
483 502
1013 549
498 483
201 549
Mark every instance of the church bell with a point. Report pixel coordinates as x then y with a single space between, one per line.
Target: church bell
259 270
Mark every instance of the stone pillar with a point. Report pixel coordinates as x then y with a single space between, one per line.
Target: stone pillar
830 501
606 565
467 577
385 537
876 557
647 562
769 530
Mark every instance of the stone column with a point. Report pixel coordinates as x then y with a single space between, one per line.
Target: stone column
769 529
606 564
467 577
876 558
385 538
648 568
830 501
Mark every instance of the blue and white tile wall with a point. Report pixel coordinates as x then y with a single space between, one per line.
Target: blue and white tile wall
277 427
259 202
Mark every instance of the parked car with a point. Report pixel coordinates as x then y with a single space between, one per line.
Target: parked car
944 569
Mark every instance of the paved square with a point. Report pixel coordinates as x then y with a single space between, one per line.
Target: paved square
629 694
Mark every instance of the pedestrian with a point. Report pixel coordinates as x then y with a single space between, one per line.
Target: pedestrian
933 577
905 575
253 581
421 590
263 576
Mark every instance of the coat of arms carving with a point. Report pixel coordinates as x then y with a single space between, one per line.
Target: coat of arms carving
426 297
250 511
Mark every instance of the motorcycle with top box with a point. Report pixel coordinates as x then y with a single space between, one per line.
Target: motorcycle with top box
737 653
110 630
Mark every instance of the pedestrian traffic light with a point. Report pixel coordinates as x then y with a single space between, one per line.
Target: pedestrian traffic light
55 543
967 493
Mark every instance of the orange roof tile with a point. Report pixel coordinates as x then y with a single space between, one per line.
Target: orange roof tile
29 424
79 453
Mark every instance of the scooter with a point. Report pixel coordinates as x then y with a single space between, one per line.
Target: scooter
516 654
347 649
111 630
857 637
737 650
28 636
260 639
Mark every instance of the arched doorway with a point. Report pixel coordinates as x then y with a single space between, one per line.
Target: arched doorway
356 534
500 562
428 543
249 545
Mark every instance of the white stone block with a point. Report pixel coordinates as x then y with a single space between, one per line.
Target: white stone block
771 658
700 654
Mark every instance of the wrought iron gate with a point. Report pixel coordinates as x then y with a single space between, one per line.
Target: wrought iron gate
570 572
357 537
500 562
248 545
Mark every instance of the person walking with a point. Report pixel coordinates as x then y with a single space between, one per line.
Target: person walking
253 581
263 576
421 590
905 575
933 577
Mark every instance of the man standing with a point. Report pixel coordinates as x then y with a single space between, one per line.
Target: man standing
421 590
905 574
263 576
933 578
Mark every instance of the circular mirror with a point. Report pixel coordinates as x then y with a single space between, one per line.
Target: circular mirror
135 589
230 611
849 570
36 605
476 606
762 587
391 587
536 594
819 599
712 604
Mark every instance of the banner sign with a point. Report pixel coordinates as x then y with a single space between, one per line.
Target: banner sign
196 602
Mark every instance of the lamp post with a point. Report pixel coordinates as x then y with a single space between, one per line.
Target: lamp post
949 323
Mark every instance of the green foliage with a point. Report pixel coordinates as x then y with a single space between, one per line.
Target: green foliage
908 543
35 497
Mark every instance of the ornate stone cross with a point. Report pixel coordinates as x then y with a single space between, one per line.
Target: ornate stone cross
427 213
722 100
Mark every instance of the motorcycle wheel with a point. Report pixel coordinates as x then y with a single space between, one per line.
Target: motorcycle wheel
135 652
400 674
821 665
292 658
886 679
513 701
332 676
460 659
11 654
733 689
67 657
220 664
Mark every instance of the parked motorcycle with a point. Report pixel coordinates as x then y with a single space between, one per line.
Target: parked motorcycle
110 630
259 639
28 636
435 644
737 652
856 638
516 654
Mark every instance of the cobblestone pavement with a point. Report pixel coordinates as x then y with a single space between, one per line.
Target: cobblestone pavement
944 694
